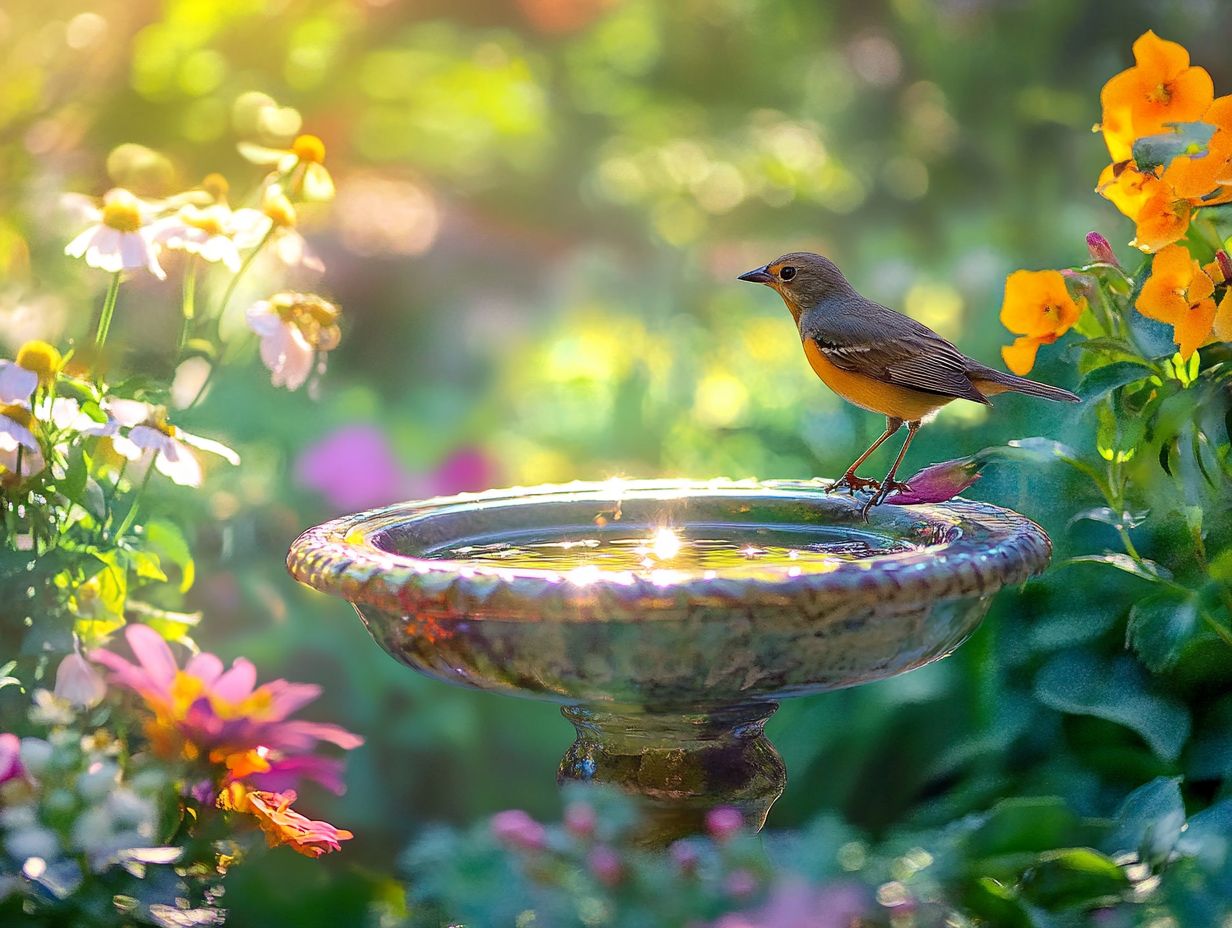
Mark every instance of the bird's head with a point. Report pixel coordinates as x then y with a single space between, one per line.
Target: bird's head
801 278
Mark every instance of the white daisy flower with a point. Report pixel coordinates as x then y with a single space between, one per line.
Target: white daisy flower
150 436
276 218
203 231
16 383
296 330
37 362
119 239
20 452
304 162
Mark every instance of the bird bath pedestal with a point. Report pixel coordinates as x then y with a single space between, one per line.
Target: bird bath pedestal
668 618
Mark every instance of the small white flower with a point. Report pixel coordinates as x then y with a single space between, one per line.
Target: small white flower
20 453
150 435
203 231
303 163
277 216
79 682
119 238
16 383
295 329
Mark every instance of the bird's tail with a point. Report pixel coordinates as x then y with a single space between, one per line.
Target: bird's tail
993 382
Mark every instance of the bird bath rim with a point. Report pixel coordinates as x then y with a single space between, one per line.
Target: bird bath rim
960 548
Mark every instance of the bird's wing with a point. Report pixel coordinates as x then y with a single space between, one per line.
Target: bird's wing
878 342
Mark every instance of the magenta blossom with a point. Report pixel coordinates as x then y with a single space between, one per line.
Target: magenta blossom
939 482
354 468
517 828
724 822
10 758
1101 250
222 716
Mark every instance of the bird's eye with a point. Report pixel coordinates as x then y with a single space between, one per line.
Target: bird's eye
787 272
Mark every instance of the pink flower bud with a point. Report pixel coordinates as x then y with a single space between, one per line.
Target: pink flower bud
1101 250
724 822
78 682
10 758
938 482
684 855
1225 264
580 820
517 829
605 865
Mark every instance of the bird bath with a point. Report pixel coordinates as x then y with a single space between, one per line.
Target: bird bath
668 618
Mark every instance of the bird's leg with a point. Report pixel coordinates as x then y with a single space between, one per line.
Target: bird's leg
889 485
849 478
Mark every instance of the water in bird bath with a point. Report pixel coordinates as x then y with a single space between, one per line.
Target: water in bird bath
697 549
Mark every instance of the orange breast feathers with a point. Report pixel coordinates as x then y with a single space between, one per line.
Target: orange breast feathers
870 393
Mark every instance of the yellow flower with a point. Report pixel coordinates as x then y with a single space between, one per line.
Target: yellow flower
1039 309
1179 293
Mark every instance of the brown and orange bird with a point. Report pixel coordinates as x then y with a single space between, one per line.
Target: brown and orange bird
879 359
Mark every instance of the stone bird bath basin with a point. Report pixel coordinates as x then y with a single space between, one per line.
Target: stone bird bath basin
668 618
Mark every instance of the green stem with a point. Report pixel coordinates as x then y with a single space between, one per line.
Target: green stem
132 510
104 320
190 300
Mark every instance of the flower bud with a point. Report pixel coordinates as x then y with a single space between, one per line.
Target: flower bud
1225 264
514 827
1101 251
78 682
724 822
938 482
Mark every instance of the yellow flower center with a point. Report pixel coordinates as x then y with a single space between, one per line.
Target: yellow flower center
216 186
158 420
316 319
121 211
278 208
18 414
309 149
40 358
1161 94
209 220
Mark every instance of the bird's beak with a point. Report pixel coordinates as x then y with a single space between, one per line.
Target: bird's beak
757 276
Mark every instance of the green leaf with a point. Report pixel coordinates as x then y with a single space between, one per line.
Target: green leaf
1107 516
167 539
1117 691
1185 139
1143 568
1160 625
1103 380
76 473
1149 821
1074 876
1115 349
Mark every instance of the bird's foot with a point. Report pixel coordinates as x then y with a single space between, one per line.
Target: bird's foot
890 486
853 484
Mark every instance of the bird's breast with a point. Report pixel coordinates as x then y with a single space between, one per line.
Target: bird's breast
869 392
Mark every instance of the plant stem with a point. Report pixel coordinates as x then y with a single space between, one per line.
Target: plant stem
104 320
190 300
132 510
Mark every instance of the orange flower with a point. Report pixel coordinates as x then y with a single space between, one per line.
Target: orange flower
1038 308
1127 187
1210 173
281 823
1161 88
1180 294
1223 318
1162 220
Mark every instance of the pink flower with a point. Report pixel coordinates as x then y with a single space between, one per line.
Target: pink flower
354 468
605 864
514 827
580 820
939 482
78 682
795 904
1100 249
204 711
10 758
466 470
724 822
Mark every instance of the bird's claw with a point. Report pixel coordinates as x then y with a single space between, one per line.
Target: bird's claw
890 486
853 484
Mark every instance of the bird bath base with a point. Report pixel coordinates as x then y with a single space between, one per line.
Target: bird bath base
668 618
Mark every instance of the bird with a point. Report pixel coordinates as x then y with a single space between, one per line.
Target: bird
880 359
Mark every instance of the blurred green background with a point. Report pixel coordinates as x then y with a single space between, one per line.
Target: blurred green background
542 209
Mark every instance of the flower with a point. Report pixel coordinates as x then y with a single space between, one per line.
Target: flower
1201 177
1161 88
304 161
939 482
275 220
1180 294
207 714
295 329
514 827
354 467
207 232
20 452
281 823
1101 250
79 682
1039 309
151 435
10 758
119 239
724 822
1162 219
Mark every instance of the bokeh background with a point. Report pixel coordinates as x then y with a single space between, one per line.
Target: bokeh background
542 208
